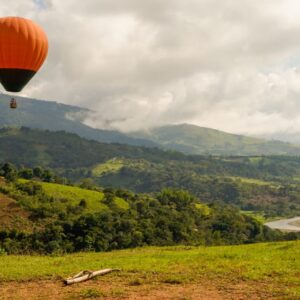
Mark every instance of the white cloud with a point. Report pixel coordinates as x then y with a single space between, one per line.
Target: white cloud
231 65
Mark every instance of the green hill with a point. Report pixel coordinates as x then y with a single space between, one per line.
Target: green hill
72 195
268 184
193 139
69 219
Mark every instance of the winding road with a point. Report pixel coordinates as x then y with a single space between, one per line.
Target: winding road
285 224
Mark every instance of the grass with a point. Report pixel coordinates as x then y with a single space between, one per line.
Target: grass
91 293
275 263
116 164
259 216
121 203
203 208
74 195
111 166
256 215
252 181
255 159
265 270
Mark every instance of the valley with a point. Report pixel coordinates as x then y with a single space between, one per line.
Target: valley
149 150
173 224
68 196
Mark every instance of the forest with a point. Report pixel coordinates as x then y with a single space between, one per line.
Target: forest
104 219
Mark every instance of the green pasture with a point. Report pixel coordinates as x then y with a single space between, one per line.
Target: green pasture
111 166
253 181
275 264
75 194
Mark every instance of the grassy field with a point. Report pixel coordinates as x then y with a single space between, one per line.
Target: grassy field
252 181
112 166
75 194
273 266
116 164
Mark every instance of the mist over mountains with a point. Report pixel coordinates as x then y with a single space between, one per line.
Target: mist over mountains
186 138
53 116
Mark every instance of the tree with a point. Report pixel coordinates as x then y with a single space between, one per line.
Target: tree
38 172
26 173
9 172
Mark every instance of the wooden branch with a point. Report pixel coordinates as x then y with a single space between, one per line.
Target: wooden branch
86 275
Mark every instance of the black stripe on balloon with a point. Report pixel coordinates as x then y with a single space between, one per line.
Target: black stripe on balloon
13 80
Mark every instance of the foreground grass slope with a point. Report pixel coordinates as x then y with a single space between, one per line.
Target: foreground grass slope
274 265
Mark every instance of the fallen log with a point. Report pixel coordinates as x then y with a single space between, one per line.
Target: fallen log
86 275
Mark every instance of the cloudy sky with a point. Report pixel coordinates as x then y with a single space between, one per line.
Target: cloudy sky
232 65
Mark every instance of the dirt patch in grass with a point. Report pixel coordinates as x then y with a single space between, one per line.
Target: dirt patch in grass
119 287
12 216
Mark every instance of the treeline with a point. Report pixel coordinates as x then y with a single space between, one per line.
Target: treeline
11 173
169 217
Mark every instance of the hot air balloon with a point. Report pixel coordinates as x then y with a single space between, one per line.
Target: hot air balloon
23 49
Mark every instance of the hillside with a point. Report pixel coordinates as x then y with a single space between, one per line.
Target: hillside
269 185
67 219
49 115
192 139
12 216
64 150
259 271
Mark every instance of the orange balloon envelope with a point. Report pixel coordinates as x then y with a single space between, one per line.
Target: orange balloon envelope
23 49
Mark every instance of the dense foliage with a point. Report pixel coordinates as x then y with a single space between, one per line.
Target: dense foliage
169 217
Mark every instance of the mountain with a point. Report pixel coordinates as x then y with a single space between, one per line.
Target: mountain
30 147
189 139
192 139
50 115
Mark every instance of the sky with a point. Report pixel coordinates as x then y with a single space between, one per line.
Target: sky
231 65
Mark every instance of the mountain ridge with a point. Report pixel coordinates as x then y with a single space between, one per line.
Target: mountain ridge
193 139
54 116
186 138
